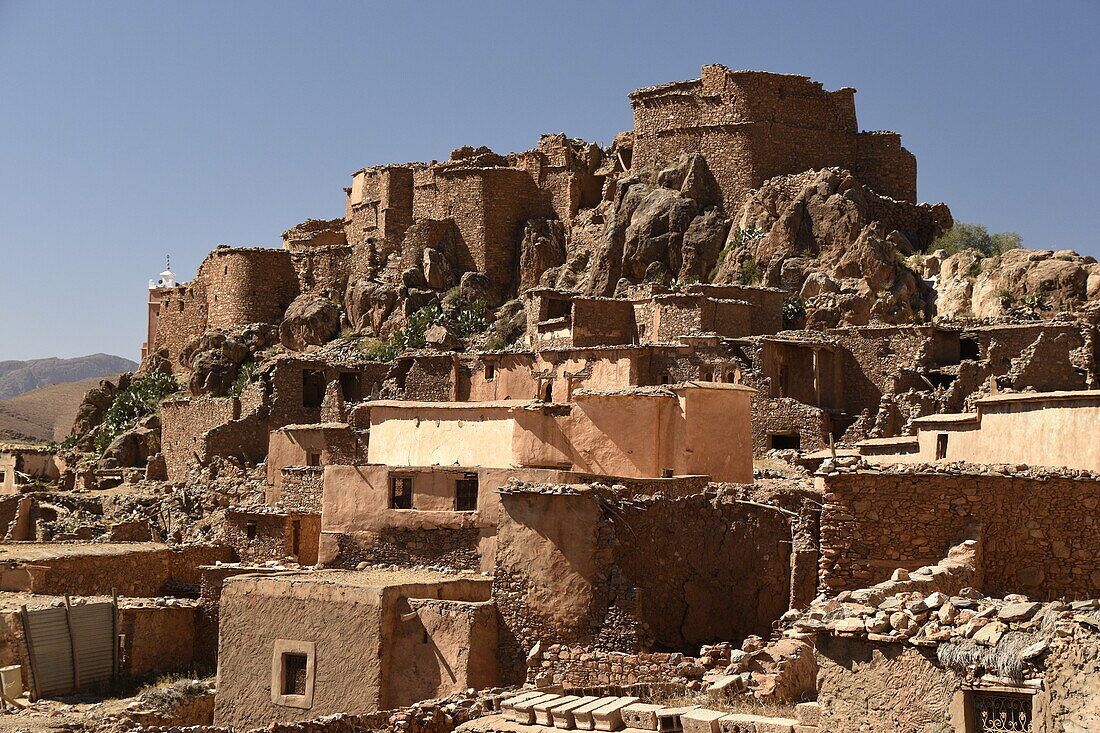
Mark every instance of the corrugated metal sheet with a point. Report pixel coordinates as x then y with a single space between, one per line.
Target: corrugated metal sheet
52 647
92 635
51 650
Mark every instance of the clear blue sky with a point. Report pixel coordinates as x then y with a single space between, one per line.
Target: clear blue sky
129 130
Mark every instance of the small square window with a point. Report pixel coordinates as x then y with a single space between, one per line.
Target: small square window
250 529
313 459
294 674
401 492
490 372
466 494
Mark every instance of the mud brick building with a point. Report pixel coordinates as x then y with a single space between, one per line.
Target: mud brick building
752 126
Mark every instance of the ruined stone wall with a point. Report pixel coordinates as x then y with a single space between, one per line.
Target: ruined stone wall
751 126
1039 534
184 423
141 573
872 357
431 379
326 268
450 547
302 488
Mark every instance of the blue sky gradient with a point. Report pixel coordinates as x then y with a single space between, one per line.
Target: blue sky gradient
131 130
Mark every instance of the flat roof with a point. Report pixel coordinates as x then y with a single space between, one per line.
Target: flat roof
40 551
1006 397
946 418
371 578
897 440
419 405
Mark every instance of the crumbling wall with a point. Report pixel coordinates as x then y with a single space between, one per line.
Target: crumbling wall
184 423
652 573
1040 532
141 573
752 125
157 638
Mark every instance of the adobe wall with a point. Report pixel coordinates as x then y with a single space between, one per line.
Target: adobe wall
478 436
275 536
345 624
1039 534
460 652
645 575
334 443
1039 431
751 126
140 573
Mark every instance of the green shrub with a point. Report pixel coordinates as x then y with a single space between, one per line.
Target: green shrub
794 310
244 372
737 239
976 237
750 272
141 398
463 319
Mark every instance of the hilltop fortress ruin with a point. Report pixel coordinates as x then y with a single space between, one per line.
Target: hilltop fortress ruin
694 433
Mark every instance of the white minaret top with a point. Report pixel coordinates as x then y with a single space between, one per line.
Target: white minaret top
167 278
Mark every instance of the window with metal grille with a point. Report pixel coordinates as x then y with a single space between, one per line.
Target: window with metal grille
294 674
466 494
996 712
401 492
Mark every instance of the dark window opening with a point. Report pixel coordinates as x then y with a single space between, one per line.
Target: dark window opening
548 392
706 377
969 348
558 308
181 306
941 446
940 379
401 492
313 459
294 674
664 378
296 537
1001 712
466 494
313 388
733 377
789 441
350 387
250 529
490 372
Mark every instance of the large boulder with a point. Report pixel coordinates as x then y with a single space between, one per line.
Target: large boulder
311 320
212 374
93 408
541 247
369 304
134 447
437 271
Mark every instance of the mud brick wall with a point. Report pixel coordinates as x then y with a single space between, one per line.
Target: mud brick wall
651 573
302 488
602 323
786 416
141 573
271 536
431 380
158 638
328 268
455 548
182 317
1040 536
184 424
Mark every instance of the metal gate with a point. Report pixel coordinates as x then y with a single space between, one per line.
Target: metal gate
70 648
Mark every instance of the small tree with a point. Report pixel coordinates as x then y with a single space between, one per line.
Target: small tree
976 237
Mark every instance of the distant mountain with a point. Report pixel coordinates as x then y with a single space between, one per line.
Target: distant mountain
43 414
17 377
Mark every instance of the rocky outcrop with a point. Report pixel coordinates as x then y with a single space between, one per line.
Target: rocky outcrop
214 359
311 320
134 447
369 304
541 247
664 225
1019 282
96 403
837 243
